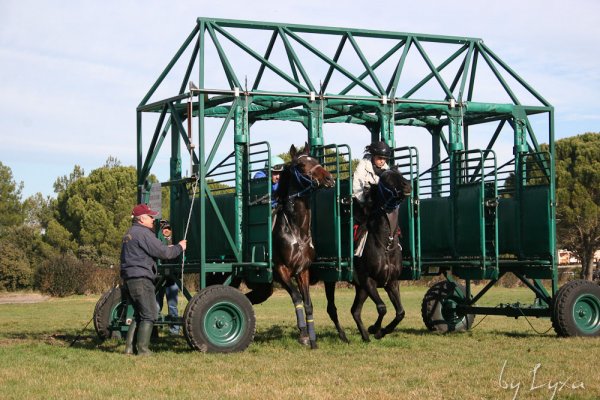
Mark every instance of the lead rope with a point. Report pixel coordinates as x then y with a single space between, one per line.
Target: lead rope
187 227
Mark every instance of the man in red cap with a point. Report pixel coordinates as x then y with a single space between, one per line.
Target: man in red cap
139 250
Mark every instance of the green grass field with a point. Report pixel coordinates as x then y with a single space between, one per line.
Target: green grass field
501 358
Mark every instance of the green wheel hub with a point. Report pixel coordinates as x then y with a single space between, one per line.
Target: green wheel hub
586 313
449 312
224 323
441 311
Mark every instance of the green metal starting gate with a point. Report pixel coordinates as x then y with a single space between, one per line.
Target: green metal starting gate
473 214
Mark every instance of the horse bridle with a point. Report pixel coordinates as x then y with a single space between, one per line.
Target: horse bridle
306 181
391 201
391 198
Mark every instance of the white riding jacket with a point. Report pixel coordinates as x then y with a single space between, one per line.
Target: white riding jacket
364 177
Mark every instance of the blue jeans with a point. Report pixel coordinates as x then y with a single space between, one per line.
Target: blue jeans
140 294
171 290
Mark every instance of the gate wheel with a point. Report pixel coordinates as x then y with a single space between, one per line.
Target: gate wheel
439 308
577 309
219 319
106 309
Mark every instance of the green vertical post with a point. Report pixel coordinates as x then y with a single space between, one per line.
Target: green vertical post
553 249
436 172
139 156
201 158
174 175
455 145
315 124
520 143
241 139
386 124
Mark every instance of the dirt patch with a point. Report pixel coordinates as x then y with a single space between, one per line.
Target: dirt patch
22 298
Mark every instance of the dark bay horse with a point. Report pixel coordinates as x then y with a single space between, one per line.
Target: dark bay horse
380 264
293 250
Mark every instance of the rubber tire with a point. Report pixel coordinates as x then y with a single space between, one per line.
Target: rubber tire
207 308
432 309
103 312
570 298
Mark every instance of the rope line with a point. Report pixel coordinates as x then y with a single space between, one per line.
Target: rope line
187 227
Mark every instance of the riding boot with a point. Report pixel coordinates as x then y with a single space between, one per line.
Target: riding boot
129 343
144 331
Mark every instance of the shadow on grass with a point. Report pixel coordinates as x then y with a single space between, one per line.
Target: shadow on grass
275 332
90 341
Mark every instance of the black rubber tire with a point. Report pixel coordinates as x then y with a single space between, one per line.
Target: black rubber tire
436 314
103 312
219 319
576 310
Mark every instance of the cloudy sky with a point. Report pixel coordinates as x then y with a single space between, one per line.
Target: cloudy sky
72 73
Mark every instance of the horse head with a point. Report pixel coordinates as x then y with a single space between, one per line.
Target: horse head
392 189
307 171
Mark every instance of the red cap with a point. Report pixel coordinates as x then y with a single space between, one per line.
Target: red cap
142 209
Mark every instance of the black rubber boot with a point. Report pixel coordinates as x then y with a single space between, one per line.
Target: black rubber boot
129 344
144 332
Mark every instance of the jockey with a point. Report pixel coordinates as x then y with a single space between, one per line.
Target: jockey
277 164
367 174
368 170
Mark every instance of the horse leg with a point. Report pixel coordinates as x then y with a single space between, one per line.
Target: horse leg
371 288
304 285
286 280
393 291
332 310
359 299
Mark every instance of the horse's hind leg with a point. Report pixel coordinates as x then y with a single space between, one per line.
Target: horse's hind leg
393 291
286 281
332 310
359 300
303 281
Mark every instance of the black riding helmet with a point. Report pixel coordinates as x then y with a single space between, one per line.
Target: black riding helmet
379 148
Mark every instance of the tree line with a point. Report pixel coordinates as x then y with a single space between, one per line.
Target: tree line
47 243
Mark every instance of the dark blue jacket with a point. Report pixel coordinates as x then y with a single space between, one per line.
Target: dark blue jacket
274 186
139 250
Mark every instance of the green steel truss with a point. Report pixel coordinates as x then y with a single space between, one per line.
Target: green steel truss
255 71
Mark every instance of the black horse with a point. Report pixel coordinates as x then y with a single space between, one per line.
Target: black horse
380 264
293 250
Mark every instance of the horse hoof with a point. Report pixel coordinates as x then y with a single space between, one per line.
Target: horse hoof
313 345
379 335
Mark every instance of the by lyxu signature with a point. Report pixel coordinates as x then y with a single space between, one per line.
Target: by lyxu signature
552 386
